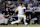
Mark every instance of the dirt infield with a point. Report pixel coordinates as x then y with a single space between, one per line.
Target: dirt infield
19 25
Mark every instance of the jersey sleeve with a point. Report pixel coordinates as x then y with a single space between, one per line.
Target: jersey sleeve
24 7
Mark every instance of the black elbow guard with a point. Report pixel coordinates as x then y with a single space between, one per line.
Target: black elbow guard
24 10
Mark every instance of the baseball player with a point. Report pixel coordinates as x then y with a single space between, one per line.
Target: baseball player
21 11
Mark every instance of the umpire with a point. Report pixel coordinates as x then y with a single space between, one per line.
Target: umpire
6 15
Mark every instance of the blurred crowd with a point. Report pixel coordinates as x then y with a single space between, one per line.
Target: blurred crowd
30 4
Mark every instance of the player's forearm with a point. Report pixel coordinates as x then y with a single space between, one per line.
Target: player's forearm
5 15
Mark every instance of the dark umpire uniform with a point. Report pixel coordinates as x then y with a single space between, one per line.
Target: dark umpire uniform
6 15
